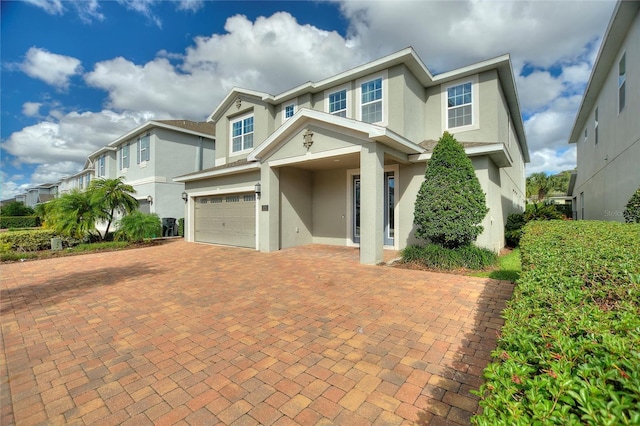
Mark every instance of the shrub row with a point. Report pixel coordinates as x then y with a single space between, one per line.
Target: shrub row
19 222
569 352
33 240
434 256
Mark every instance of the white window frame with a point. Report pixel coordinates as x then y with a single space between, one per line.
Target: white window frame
241 119
101 165
123 156
622 82
385 95
284 111
475 104
143 161
330 92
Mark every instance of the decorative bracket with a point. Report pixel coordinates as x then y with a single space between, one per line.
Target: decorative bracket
308 139
238 102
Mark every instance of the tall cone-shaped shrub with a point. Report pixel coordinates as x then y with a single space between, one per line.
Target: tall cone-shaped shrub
450 204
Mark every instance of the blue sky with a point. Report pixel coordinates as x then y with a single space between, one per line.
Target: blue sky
77 75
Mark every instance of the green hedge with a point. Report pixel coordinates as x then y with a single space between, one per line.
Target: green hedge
434 256
37 239
19 222
569 352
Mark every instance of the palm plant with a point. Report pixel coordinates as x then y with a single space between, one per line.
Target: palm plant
113 197
72 214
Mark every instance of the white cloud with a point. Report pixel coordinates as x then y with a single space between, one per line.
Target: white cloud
190 5
52 7
538 89
50 173
72 138
549 129
31 109
51 68
144 7
552 160
88 10
273 54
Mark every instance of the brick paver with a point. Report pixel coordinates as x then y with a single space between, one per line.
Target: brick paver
199 334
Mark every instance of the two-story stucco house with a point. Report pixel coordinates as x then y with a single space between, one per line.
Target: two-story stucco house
79 181
340 161
152 154
607 127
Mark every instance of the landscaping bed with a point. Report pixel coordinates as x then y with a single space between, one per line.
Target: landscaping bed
569 352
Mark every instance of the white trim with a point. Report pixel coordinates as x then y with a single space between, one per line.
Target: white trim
315 156
385 95
147 180
331 91
219 172
475 101
231 96
471 152
395 168
241 118
224 191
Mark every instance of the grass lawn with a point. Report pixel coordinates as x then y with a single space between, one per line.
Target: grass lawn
509 267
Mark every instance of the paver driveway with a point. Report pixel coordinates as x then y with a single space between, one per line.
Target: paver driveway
196 334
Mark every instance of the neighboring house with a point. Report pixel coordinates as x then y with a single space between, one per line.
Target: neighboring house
149 157
79 181
607 126
340 161
41 194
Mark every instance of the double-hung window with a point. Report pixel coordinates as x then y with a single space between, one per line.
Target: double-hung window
242 134
371 101
460 105
124 156
338 103
88 180
144 148
101 168
622 82
81 182
289 110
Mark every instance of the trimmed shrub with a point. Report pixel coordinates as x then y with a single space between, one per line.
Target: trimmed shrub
569 352
181 226
16 208
19 222
632 211
434 256
33 240
541 211
450 204
513 228
139 226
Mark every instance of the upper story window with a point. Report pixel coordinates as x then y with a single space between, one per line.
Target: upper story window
81 182
622 80
124 156
459 105
242 134
144 148
101 165
371 101
289 110
338 103
88 180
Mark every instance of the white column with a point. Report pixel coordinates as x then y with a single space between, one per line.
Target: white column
371 203
269 209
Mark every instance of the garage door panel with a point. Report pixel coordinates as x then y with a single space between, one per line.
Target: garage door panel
229 220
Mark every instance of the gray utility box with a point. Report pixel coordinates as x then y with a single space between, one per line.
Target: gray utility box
56 243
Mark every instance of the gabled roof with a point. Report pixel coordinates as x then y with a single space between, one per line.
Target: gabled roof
204 129
623 16
303 115
409 58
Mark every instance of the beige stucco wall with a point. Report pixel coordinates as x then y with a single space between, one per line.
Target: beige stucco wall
609 172
223 183
329 207
296 219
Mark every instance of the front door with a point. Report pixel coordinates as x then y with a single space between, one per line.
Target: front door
389 204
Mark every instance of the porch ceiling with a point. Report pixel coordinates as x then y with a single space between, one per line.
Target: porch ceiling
347 161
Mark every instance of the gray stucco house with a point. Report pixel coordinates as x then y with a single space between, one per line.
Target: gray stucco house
340 161
607 127
150 155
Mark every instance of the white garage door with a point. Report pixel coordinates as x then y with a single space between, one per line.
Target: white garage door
226 219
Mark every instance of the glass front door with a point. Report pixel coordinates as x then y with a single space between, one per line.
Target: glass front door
389 204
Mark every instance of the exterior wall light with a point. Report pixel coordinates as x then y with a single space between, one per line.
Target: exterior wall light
149 199
258 189
185 196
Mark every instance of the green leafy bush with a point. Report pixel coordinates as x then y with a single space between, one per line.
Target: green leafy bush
434 256
16 208
34 240
139 226
513 228
181 226
450 204
569 352
541 211
19 222
632 211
